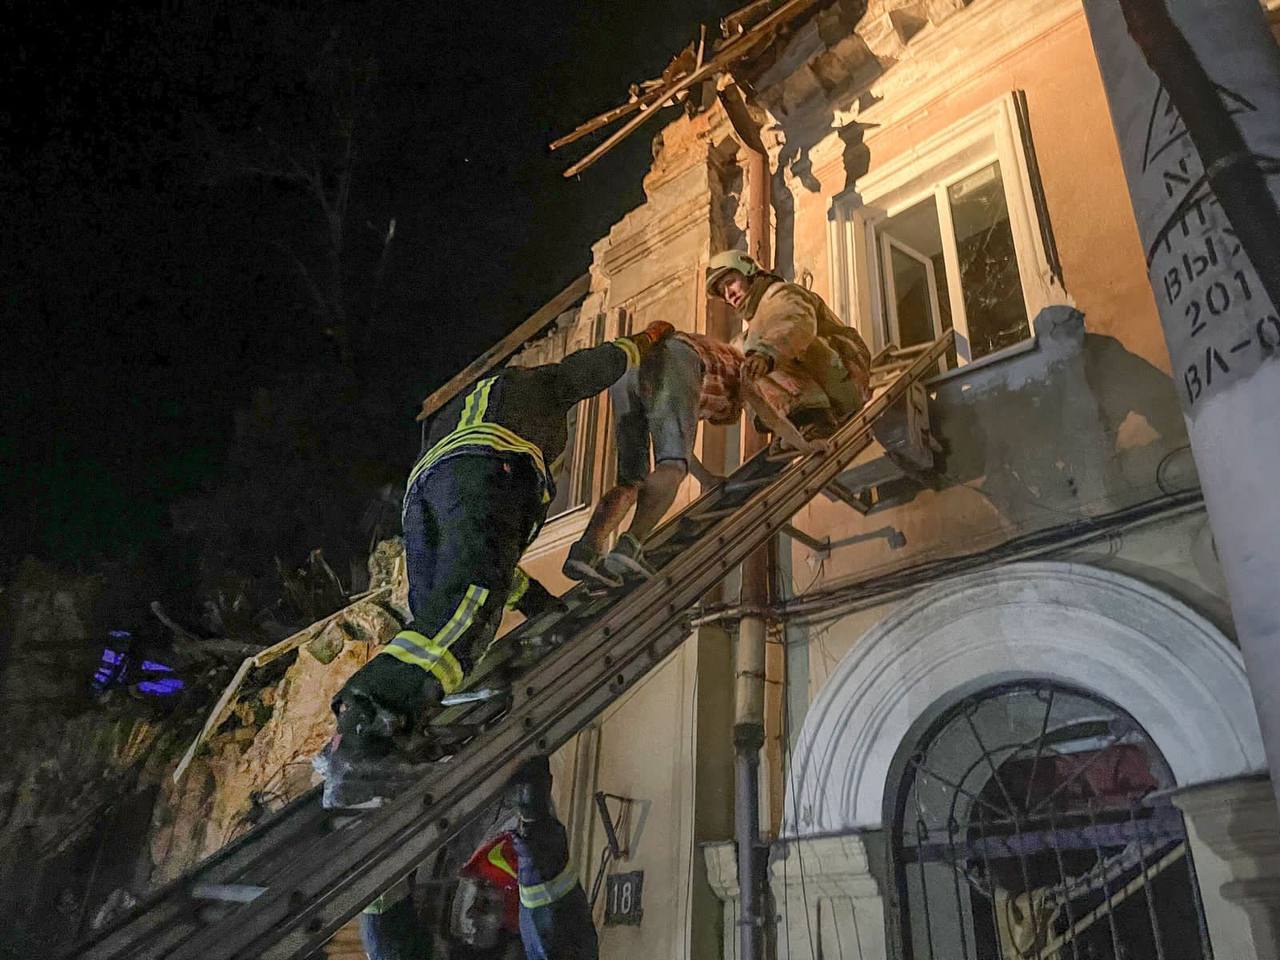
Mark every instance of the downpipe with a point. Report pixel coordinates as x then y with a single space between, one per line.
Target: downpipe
748 740
749 666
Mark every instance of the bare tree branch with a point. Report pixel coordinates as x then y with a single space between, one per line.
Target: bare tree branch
322 305
380 271
179 631
325 170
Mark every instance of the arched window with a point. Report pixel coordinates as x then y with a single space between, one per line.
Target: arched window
1033 822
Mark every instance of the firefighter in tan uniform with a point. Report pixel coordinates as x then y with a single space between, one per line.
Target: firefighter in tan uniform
791 330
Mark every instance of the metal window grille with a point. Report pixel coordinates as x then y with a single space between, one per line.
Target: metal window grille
1033 822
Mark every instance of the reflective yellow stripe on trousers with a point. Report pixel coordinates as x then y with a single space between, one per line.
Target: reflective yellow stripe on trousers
519 587
432 653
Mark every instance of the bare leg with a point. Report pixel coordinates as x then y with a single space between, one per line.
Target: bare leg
656 496
613 506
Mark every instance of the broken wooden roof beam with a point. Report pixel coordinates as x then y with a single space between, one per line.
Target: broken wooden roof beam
645 95
538 321
734 49
741 20
644 101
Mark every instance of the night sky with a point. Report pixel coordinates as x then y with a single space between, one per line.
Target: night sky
173 406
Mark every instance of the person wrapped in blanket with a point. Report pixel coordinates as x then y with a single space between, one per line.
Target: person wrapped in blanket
475 499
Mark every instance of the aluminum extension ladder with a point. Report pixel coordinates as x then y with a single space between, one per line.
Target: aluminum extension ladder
282 890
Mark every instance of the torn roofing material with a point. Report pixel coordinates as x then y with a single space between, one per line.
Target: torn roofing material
748 33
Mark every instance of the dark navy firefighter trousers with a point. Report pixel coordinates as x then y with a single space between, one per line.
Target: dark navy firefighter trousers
466 523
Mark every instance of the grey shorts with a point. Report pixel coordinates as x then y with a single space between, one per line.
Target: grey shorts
656 404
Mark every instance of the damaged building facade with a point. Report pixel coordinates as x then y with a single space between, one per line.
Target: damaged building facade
1006 713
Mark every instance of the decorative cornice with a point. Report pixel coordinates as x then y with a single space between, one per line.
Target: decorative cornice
636 301
934 63
830 866
722 869
1238 820
629 243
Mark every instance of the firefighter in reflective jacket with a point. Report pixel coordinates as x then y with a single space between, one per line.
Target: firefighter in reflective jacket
555 916
475 499
517 881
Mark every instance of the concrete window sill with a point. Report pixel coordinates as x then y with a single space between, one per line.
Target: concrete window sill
990 360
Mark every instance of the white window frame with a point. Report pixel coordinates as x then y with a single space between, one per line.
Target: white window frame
989 134
887 245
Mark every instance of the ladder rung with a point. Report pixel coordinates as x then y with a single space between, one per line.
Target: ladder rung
751 483
712 515
475 695
227 892
448 723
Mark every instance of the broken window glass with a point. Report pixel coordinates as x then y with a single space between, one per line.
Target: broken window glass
914 247
994 308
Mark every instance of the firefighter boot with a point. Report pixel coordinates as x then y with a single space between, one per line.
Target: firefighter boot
377 748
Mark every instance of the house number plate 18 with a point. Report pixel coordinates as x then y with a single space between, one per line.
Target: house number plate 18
622 898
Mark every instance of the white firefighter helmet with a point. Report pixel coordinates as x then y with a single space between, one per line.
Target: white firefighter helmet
726 261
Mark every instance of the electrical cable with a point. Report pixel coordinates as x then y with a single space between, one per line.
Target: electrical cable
837 601
817 575
808 606
1160 480
606 857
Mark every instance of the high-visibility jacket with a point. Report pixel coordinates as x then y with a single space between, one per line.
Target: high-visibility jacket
555 916
521 413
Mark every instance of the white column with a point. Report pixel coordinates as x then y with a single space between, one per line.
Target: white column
1234 831
722 874
827 904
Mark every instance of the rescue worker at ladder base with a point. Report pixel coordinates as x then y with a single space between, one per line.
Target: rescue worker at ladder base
486 906
475 499
555 915
517 895
791 328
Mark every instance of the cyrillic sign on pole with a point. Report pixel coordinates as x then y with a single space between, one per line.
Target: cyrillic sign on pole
1222 330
